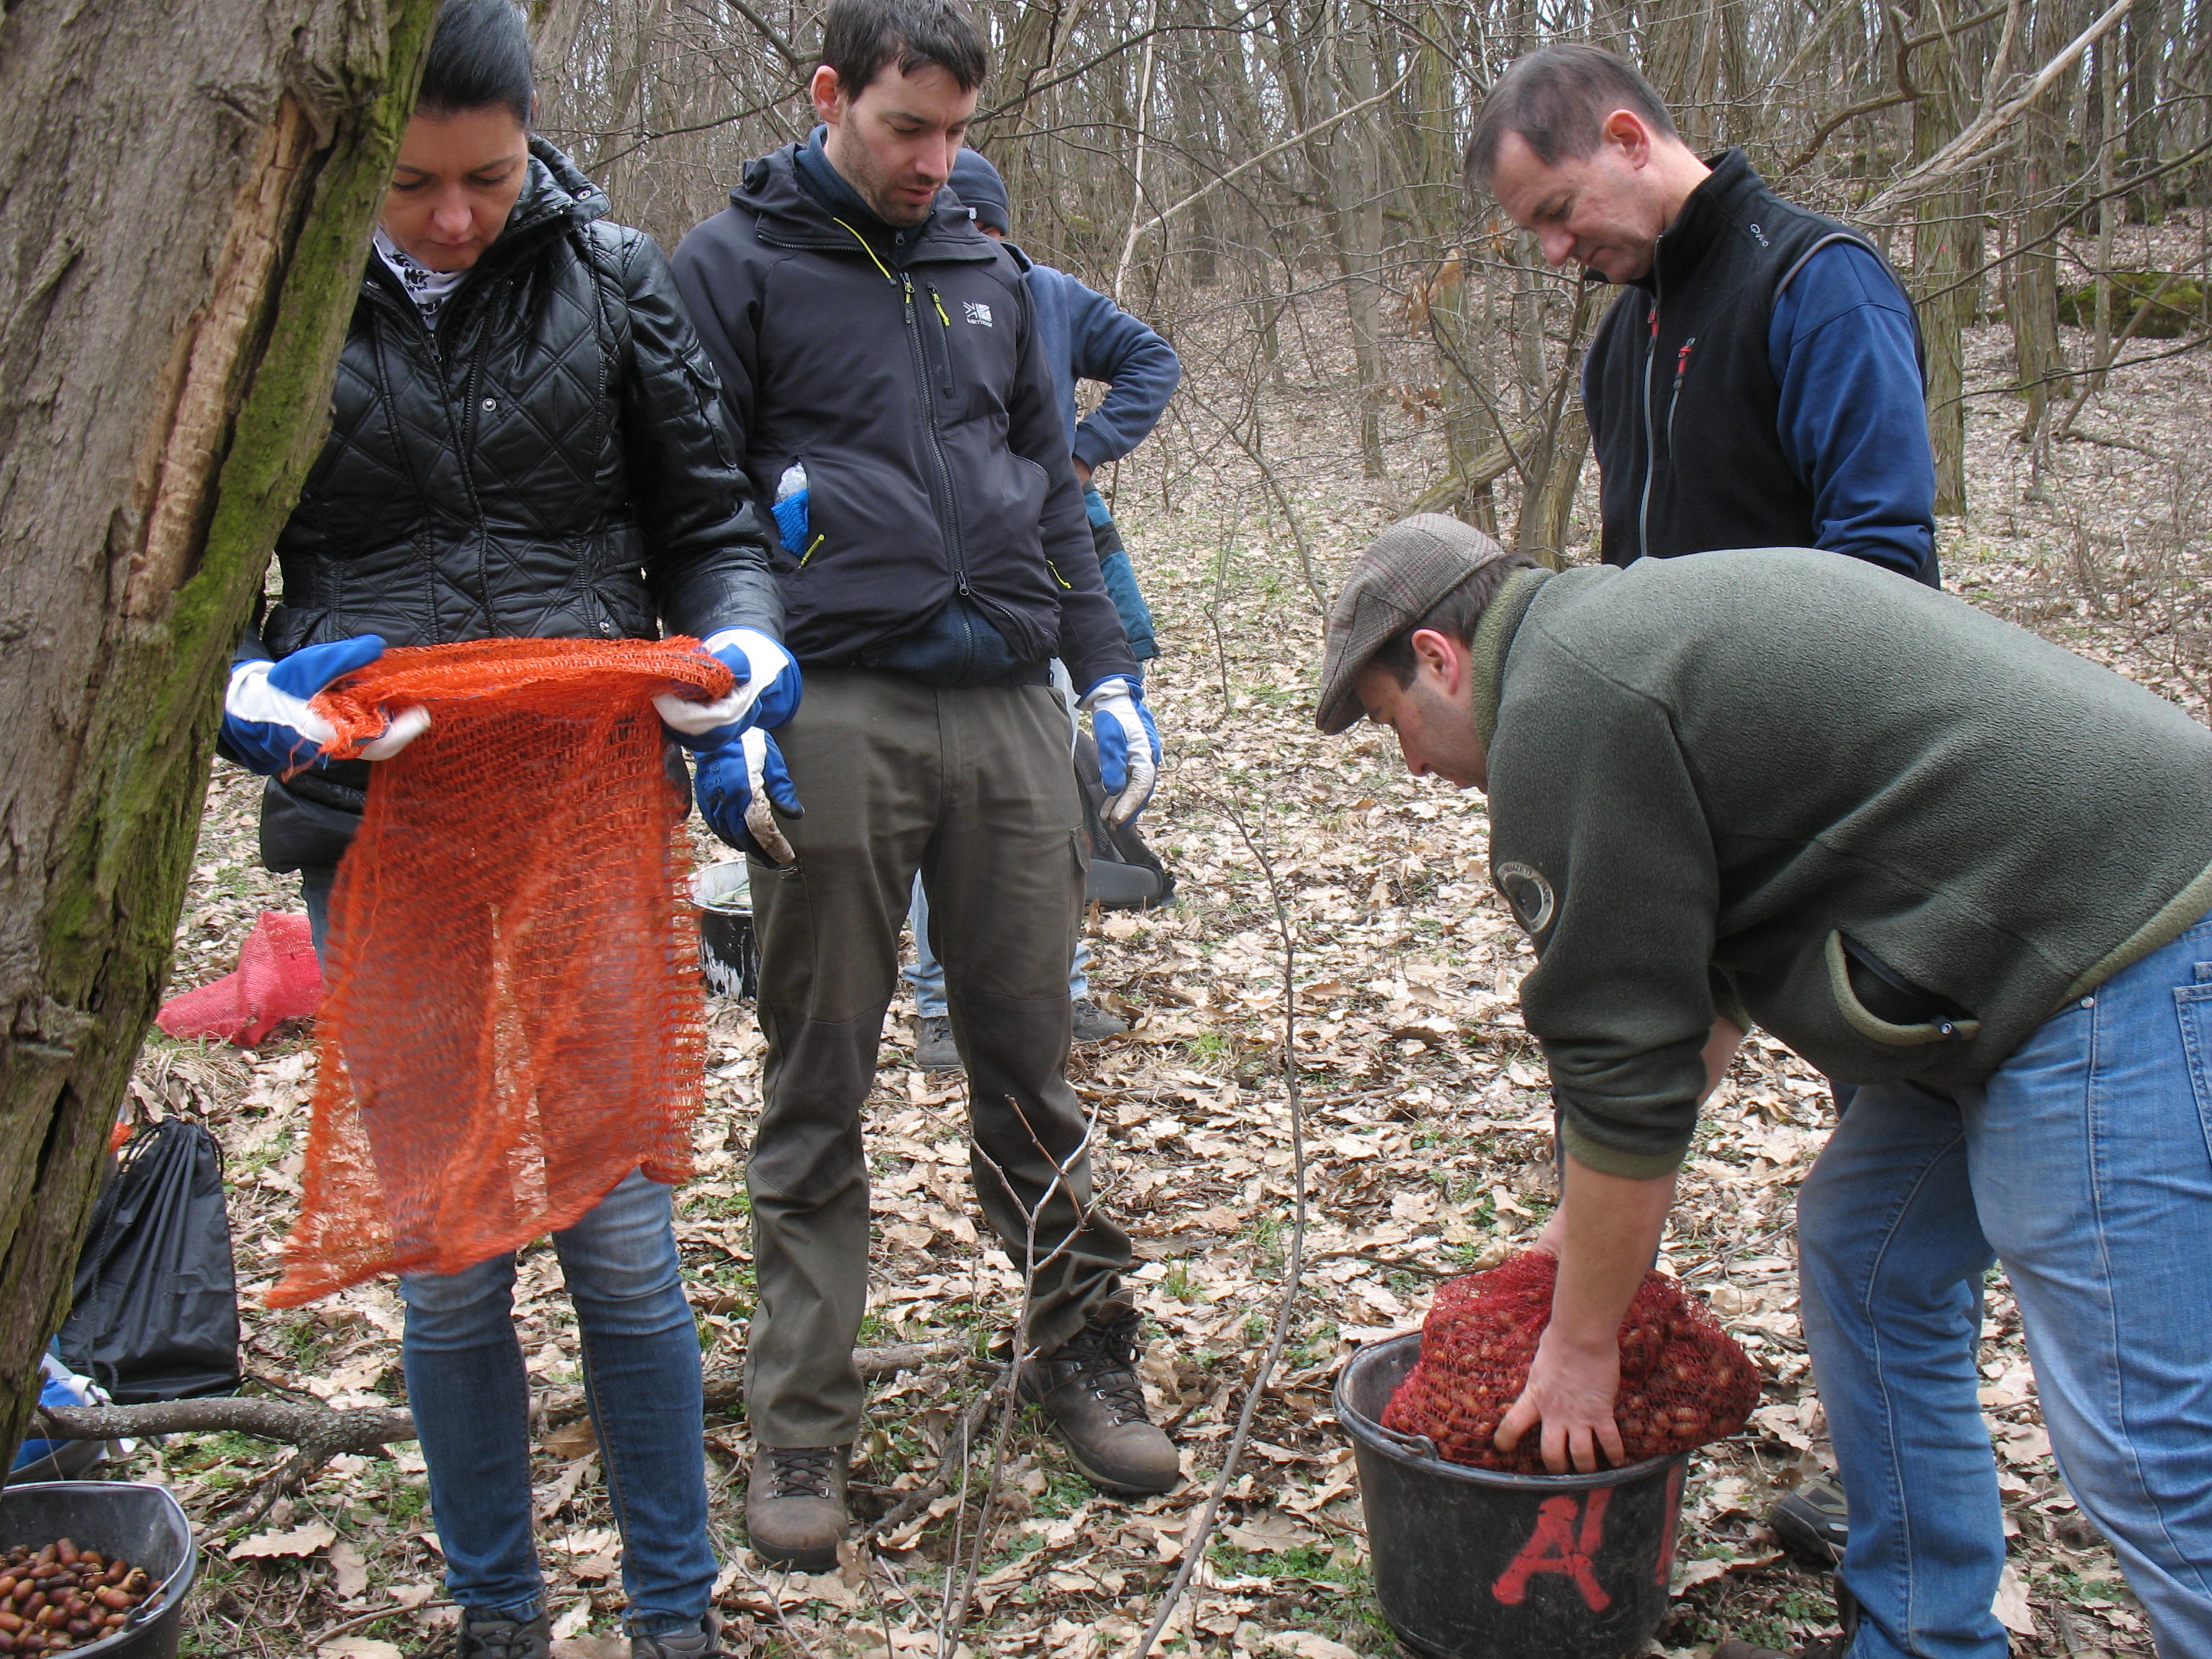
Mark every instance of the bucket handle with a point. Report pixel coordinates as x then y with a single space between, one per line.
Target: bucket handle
1419 1444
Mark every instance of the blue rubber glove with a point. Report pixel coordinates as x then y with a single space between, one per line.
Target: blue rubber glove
266 721
791 516
766 695
738 782
1128 746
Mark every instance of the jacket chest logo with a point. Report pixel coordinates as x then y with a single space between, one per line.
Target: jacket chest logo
978 313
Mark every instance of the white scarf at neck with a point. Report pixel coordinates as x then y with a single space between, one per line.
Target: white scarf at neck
428 288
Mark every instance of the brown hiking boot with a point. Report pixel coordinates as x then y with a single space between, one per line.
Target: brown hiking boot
1088 1386
1089 1022
934 1049
795 1506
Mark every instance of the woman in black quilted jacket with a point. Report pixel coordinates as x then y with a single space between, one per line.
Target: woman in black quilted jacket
526 440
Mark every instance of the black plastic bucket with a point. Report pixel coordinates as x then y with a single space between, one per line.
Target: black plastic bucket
142 1524
1470 1564
727 951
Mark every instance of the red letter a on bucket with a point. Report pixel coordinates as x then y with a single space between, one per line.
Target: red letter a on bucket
1557 1546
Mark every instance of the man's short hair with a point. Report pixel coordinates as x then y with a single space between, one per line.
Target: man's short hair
859 37
1557 98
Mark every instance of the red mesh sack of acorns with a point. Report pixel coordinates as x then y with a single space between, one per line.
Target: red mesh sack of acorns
1683 1381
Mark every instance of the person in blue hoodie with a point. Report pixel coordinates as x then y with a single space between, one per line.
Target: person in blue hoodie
1083 335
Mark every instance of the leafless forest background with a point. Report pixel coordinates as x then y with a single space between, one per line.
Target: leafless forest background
1327 1103
1276 188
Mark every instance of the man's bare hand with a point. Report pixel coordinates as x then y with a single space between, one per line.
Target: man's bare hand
1569 1400
1082 473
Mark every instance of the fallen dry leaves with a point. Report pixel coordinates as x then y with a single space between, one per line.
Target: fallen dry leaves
1429 1131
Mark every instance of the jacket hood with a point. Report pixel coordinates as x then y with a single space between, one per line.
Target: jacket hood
556 193
789 214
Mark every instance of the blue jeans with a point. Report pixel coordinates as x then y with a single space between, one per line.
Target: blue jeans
926 977
470 1397
2085 1166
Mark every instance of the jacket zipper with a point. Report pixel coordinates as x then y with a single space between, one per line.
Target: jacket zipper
468 482
952 521
1650 451
1681 368
944 339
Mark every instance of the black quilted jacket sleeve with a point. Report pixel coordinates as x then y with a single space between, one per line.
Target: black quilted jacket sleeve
706 558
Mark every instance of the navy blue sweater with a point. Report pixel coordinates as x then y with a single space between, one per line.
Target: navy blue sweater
1087 336
1853 420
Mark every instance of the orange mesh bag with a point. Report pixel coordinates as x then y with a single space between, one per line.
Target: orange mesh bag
515 1018
1683 1381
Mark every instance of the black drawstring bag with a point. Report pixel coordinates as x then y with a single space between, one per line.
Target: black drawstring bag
155 1311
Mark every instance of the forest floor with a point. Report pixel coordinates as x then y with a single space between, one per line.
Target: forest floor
1425 1129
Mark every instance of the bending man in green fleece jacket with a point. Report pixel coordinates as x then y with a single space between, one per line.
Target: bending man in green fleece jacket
1939 857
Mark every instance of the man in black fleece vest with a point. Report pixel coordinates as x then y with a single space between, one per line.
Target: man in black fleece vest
1939 858
1759 382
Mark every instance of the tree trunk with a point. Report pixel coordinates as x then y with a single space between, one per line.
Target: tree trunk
1947 243
189 191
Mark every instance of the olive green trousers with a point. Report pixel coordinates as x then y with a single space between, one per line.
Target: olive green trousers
973 788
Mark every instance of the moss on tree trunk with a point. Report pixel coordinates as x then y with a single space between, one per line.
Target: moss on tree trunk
160 398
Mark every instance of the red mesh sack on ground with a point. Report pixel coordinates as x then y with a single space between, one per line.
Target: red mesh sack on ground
515 1018
1683 1380
277 979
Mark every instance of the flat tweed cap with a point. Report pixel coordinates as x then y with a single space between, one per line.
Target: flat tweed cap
1404 572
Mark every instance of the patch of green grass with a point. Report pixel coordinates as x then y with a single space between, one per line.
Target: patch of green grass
1782 1623
302 1338
243 1168
1207 1046
2078 1587
1353 1586
1181 1286
1467 1191
1255 1328
1064 1493
1315 1346
717 1207
876 1330
403 1500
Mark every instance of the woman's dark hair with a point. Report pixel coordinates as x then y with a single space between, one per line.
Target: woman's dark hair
479 59
859 37
1455 615
1557 98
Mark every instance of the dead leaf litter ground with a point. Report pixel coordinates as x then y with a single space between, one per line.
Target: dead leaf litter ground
1427 1127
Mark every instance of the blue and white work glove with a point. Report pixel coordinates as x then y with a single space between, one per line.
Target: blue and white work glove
1128 746
766 694
743 784
266 721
